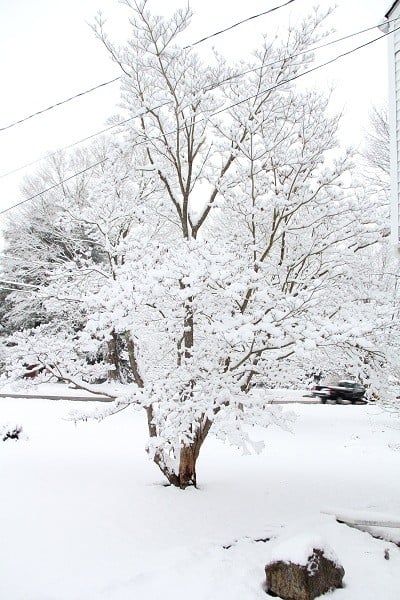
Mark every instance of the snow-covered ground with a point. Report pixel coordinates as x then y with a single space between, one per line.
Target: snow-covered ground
85 516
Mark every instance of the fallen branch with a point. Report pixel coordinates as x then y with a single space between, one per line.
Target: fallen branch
364 519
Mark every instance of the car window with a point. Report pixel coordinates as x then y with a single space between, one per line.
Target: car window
353 385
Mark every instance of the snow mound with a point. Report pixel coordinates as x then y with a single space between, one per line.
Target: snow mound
299 548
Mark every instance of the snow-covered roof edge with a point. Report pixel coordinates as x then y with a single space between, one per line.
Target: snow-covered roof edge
391 8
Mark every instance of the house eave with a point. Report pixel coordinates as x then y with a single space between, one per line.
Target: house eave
391 8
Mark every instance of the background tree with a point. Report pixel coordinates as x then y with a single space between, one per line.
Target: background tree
54 238
376 151
381 266
37 237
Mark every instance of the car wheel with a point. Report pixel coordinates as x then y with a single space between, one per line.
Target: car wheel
323 400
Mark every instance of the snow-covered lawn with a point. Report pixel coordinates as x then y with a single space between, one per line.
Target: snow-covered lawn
85 516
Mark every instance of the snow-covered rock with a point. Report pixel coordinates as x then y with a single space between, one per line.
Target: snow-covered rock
303 568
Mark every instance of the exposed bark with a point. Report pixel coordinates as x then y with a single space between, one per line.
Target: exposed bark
152 429
187 466
133 361
114 373
189 455
186 475
158 457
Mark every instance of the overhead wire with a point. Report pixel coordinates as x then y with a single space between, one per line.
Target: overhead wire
105 83
262 14
308 51
43 110
52 187
272 88
313 69
207 88
82 140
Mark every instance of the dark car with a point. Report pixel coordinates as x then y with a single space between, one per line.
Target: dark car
341 393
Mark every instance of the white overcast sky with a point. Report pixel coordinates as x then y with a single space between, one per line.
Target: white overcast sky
48 53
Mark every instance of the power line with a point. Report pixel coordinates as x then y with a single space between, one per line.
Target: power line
105 83
328 62
208 88
308 51
295 77
89 137
40 112
266 12
53 186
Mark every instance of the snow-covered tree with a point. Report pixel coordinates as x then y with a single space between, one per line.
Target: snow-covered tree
38 237
376 151
228 235
61 245
379 268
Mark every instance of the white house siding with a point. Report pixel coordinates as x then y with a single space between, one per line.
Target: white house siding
394 119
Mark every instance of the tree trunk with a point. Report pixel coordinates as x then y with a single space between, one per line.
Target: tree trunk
130 345
189 454
114 373
187 466
186 475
